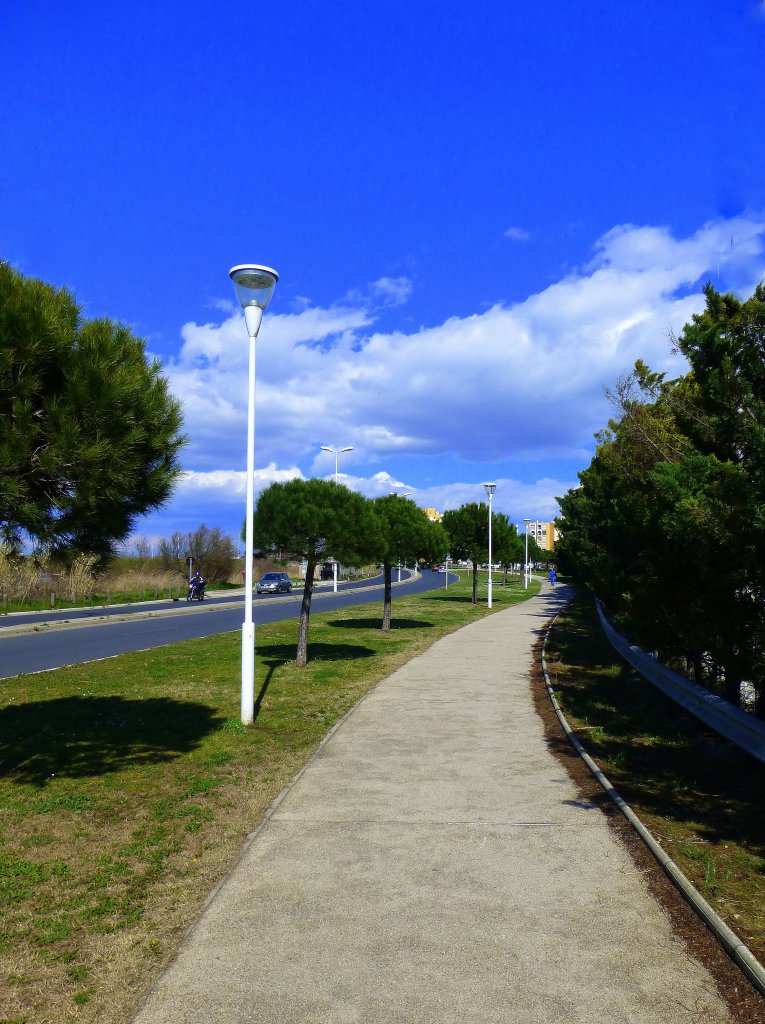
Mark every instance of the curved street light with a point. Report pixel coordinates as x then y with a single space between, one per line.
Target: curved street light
254 285
336 452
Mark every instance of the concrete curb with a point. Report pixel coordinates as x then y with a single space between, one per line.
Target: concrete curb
733 945
54 625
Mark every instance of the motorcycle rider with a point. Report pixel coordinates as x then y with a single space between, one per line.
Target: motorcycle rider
197 582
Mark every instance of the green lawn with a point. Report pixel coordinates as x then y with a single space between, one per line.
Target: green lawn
128 786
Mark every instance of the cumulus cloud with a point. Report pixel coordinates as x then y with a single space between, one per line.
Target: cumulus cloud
228 485
218 497
513 497
521 381
517 235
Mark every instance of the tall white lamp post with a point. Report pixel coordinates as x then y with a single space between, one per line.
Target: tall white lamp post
490 488
336 452
400 494
526 563
254 286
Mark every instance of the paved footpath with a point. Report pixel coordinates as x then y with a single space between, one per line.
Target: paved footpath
434 865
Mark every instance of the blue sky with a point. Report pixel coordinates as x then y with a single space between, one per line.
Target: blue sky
481 216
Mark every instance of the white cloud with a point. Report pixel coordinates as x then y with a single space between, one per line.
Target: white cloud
228 485
393 290
514 498
517 235
218 497
226 344
224 305
522 381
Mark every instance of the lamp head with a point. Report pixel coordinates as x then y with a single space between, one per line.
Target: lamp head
490 489
324 448
253 284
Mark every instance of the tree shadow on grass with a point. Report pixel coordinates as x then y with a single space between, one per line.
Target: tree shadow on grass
377 623
76 737
271 668
282 654
274 656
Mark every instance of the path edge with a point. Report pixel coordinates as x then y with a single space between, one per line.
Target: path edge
738 951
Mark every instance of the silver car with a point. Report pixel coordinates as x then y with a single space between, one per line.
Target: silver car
274 583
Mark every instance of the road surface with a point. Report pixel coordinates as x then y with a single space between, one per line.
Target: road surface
52 646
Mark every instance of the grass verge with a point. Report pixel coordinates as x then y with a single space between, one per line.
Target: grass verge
127 787
701 797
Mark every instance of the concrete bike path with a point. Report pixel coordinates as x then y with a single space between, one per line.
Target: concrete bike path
435 864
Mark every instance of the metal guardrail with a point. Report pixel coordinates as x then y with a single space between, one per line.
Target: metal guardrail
740 728
736 947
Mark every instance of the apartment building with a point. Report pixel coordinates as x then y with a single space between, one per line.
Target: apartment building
544 534
433 515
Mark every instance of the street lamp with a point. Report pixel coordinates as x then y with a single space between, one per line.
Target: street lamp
490 489
336 452
254 286
526 563
400 494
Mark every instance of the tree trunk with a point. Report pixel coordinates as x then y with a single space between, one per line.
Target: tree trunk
759 698
301 658
698 668
386 598
733 687
475 582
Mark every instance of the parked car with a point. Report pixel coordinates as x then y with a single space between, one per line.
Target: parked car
274 583
437 568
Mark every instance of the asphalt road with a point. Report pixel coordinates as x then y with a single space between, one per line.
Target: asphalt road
55 647
212 599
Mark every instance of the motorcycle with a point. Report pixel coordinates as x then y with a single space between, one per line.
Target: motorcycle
196 591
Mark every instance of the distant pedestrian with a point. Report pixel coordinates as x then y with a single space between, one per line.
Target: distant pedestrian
552 577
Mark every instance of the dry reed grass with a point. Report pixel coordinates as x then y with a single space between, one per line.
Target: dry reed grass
24 578
132 581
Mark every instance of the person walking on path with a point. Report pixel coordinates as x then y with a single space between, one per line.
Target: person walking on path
552 577
434 864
